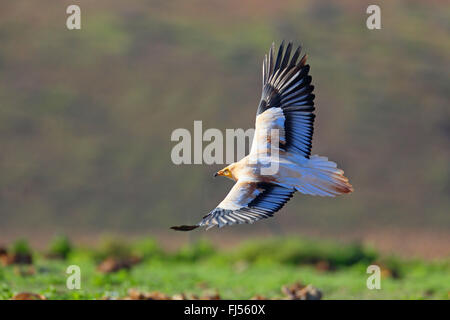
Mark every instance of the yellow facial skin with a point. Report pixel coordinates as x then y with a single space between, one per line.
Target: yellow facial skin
225 173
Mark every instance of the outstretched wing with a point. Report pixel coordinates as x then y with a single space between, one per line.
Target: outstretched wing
287 103
246 202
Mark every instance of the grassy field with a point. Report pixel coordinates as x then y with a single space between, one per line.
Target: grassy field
256 268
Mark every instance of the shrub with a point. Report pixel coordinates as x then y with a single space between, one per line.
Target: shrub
60 247
112 247
20 246
200 249
147 248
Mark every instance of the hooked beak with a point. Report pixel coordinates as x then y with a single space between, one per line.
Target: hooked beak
216 174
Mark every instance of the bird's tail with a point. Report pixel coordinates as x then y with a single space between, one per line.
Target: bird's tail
322 177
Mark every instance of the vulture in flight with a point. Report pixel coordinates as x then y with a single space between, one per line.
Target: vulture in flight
280 161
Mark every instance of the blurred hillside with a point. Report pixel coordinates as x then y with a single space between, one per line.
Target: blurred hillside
86 116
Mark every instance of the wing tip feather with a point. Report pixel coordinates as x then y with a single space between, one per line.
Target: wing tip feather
184 227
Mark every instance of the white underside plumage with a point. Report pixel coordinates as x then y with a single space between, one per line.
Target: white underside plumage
281 146
314 176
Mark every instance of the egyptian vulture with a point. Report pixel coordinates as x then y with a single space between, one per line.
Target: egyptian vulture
282 141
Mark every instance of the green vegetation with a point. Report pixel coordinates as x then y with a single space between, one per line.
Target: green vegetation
60 247
259 267
20 246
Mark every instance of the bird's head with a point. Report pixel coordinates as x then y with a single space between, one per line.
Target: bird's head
226 172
